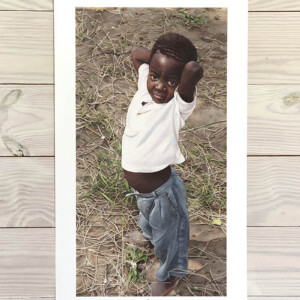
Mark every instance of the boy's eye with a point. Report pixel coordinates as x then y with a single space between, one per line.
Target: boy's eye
153 77
172 83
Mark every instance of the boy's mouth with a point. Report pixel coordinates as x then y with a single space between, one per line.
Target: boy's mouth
159 96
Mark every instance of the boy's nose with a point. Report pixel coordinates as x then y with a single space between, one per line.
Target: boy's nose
160 85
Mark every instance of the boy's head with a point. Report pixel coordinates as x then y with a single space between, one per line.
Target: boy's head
170 53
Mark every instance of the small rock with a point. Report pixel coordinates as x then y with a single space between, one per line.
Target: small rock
194 265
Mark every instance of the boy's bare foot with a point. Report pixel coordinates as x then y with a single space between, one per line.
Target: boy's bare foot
135 238
160 288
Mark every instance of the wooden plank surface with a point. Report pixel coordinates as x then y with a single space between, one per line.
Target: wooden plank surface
26 5
274 5
26 120
274 56
273 123
26 192
26 48
27 263
274 261
27 255
274 119
273 298
273 191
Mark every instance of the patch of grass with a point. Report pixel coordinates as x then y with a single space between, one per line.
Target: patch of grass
80 38
110 182
134 258
187 18
204 173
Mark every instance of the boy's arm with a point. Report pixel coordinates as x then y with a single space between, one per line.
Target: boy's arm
139 56
191 74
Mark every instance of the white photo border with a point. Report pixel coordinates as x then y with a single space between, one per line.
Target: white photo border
65 140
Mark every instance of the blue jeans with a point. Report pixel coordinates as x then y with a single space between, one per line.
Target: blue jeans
164 220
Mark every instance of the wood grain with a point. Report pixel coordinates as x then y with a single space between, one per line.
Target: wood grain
26 120
274 261
273 191
273 298
274 119
26 48
26 192
274 5
26 5
273 56
27 263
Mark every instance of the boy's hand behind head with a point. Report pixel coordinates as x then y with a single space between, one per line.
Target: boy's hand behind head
193 71
190 76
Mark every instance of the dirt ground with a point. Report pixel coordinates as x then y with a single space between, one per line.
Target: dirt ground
105 84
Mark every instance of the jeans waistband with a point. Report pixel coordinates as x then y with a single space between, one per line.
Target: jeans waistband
160 190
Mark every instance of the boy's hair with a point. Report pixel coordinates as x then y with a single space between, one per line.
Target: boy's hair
176 46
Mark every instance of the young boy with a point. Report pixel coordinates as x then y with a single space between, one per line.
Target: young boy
168 75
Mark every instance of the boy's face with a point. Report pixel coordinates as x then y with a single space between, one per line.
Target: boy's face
164 76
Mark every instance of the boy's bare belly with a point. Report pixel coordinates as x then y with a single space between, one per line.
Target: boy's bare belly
147 182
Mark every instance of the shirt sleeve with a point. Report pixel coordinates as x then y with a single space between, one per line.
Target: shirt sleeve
185 108
143 74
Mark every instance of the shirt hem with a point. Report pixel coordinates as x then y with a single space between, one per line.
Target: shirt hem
148 170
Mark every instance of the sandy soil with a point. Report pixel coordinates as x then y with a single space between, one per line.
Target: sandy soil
106 81
207 264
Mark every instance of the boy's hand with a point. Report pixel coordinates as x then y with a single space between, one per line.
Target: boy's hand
139 56
194 71
190 76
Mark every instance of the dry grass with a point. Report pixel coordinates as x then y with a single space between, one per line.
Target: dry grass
106 82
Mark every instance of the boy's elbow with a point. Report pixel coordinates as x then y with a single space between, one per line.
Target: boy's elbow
134 57
135 52
139 55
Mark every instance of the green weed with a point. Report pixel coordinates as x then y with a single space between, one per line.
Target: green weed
190 19
80 38
199 59
133 259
